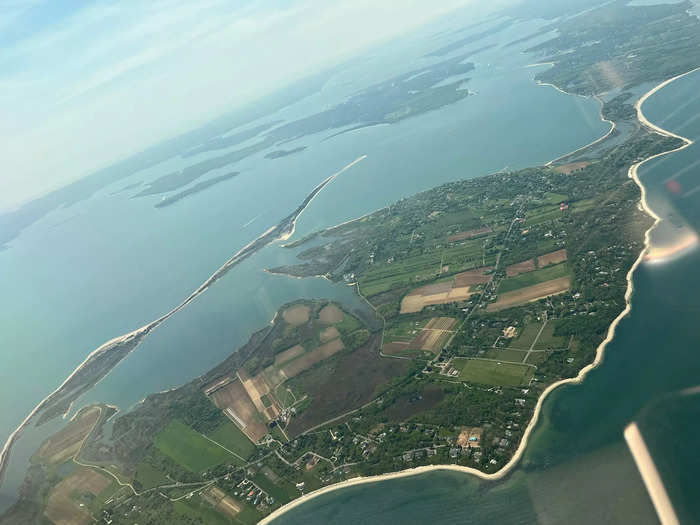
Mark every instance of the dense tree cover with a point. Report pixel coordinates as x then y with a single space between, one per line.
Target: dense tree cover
621 46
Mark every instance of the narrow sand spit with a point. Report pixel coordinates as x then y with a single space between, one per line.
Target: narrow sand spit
288 234
632 173
280 231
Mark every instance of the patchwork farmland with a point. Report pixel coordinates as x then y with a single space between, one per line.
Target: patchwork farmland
527 294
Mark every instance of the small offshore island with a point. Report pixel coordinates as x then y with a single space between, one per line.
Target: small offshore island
480 295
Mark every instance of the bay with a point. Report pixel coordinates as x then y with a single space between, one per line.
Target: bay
106 265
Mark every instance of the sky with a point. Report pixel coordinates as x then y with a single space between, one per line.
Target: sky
86 83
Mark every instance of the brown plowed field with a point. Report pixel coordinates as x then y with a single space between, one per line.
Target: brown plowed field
297 314
521 267
551 258
471 277
257 387
440 323
330 314
530 293
235 397
431 340
435 334
571 167
329 334
219 499
438 293
288 354
306 361
395 347
469 234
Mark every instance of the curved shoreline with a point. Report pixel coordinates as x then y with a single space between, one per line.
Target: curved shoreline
503 471
602 118
282 230
596 141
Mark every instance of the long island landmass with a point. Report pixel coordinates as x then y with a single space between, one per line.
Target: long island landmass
478 296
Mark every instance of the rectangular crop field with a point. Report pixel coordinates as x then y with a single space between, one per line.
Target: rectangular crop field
532 278
506 354
288 354
188 448
237 406
495 373
385 276
520 267
309 359
401 348
471 277
405 330
555 257
542 214
230 436
527 336
566 169
548 340
469 234
537 357
438 293
530 293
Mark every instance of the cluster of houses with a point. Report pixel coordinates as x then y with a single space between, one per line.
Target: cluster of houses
252 493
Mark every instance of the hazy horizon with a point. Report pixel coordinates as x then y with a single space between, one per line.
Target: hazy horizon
86 85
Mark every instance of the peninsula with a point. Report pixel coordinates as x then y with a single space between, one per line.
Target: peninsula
479 297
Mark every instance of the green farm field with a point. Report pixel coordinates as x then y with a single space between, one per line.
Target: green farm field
149 476
548 340
190 449
527 336
230 436
406 330
506 354
531 278
493 373
424 267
